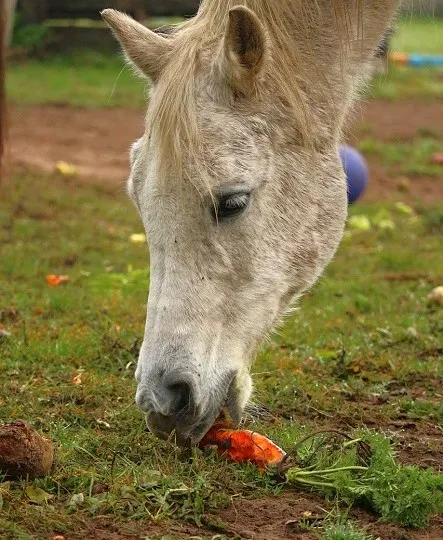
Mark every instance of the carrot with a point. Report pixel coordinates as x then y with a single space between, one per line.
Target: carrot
243 445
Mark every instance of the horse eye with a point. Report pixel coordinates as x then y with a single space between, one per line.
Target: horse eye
231 205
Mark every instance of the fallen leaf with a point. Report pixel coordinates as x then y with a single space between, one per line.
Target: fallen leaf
37 495
138 238
436 296
412 332
66 169
55 280
386 225
437 158
359 223
77 379
403 208
76 500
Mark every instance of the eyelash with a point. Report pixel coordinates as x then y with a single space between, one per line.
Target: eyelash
231 205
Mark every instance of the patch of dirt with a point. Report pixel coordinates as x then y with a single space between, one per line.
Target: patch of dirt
97 142
396 121
279 517
384 186
391 531
102 528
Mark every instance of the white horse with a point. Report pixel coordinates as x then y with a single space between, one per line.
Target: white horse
239 184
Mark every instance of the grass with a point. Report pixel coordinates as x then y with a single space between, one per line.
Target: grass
402 82
363 469
421 35
344 531
409 158
82 79
93 79
365 349
351 341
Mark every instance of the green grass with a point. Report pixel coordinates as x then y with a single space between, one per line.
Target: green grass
81 79
365 348
402 82
350 343
409 158
418 35
344 531
93 79
363 469
421 35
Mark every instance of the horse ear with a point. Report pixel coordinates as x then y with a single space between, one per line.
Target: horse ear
146 50
244 48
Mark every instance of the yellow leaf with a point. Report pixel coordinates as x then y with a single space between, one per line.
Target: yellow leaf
138 238
66 169
37 495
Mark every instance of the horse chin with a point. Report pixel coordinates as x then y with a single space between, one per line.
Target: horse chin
166 428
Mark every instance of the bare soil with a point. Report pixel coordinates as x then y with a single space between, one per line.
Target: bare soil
97 142
282 517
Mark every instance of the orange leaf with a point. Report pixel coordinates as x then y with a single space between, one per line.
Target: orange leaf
78 378
55 280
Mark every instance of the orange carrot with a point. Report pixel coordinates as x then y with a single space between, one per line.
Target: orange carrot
243 445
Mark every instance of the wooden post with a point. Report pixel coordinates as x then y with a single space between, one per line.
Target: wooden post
9 14
2 81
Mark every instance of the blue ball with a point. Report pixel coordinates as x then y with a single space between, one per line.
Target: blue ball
356 170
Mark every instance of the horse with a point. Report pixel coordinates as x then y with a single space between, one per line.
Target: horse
238 181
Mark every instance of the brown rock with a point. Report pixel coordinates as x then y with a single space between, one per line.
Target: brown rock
23 451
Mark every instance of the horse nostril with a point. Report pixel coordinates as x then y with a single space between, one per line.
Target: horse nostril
172 394
182 396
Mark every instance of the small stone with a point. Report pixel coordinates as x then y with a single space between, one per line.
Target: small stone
99 488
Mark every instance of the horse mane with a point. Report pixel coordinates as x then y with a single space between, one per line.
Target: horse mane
293 28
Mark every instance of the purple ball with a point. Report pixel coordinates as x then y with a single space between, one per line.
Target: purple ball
356 170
